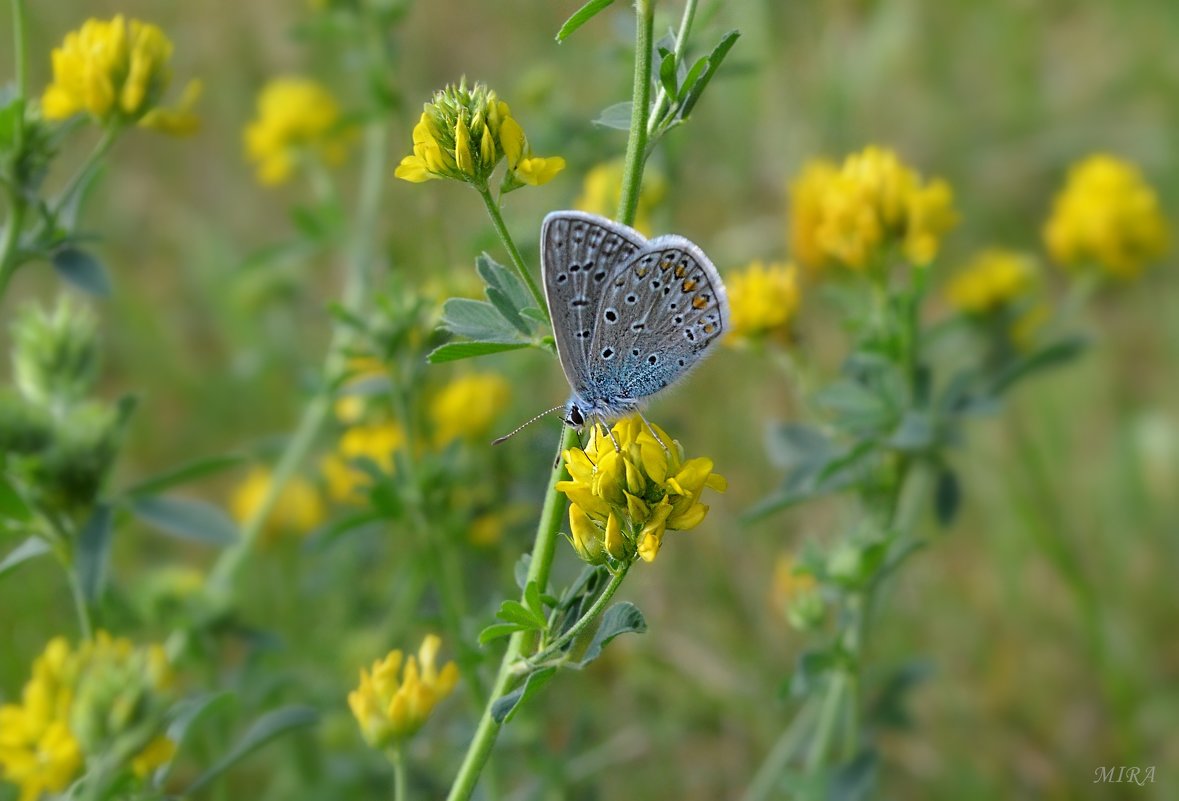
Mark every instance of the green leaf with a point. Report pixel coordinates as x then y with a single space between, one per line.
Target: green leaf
581 16
187 519
268 727
188 714
947 496
520 570
888 710
915 432
791 446
619 619
504 708
504 306
533 601
497 630
616 116
1055 354
809 670
496 276
82 270
327 534
12 505
478 320
29 549
93 551
183 474
453 351
715 58
854 780
518 614
667 74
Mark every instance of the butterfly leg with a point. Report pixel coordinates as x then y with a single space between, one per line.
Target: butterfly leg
609 433
654 433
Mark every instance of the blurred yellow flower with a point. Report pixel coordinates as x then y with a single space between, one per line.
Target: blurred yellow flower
350 407
468 405
602 189
78 703
392 703
1108 215
464 133
991 280
375 442
807 193
117 71
847 215
623 501
297 510
795 592
296 118
763 300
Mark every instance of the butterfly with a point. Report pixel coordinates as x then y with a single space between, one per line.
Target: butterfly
631 316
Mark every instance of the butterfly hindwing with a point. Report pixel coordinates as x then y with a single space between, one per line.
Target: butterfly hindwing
580 256
656 319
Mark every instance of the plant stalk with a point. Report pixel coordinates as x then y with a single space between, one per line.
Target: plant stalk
505 237
636 145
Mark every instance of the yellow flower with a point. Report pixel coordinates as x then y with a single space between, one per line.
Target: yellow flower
602 189
464 133
1108 215
117 71
847 215
806 211
374 442
623 501
392 703
763 300
297 510
467 406
991 280
77 704
795 592
296 118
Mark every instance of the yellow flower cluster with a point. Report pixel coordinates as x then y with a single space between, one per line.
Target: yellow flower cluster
1108 215
77 703
297 118
623 501
117 71
398 695
763 300
602 189
376 442
298 510
467 406
465 133
991 280
846 214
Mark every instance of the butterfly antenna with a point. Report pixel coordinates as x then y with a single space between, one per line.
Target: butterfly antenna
521 427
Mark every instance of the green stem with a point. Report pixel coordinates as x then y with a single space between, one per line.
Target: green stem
397 757
83 611
681 43
636 145
538 570
86 171
505 237
828 716
318 408
16 201
577 628
765 781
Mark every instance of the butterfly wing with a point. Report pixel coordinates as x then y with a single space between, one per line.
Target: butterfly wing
658 316
580 255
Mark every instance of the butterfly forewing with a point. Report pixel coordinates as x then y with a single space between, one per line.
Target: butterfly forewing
580 255
656 319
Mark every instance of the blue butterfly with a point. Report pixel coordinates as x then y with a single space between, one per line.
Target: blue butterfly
631 317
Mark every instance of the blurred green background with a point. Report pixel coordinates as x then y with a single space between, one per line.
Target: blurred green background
1038 675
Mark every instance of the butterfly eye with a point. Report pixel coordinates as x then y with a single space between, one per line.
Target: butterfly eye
575 417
